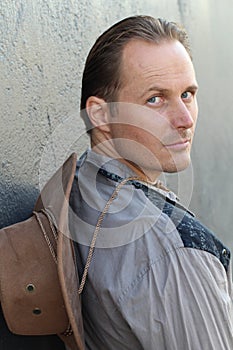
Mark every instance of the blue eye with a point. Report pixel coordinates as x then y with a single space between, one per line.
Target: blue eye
152 99
186 95
155 100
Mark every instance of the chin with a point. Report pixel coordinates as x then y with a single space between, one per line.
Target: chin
175 167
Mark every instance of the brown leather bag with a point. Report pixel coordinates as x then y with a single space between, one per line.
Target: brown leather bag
38 275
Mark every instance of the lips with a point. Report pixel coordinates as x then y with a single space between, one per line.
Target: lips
179 139
179 145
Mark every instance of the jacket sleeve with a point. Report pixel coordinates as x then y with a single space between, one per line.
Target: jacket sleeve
183 301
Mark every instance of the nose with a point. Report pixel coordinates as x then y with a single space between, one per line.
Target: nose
181 116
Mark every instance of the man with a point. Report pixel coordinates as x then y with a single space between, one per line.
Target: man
157 279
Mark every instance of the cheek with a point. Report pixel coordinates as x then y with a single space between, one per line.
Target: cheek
140 124
148 140
140 135
141 144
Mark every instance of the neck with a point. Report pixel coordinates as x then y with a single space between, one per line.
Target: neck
144 174
106 148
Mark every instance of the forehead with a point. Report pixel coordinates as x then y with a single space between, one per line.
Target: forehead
165 62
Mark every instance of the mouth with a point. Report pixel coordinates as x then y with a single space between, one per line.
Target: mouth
179 145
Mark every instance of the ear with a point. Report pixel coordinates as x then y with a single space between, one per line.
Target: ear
98 112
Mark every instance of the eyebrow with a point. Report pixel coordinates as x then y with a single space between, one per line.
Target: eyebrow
159 89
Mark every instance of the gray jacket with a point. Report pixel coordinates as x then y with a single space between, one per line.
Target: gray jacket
158 279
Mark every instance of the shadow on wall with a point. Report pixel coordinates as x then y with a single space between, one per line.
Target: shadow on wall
16 202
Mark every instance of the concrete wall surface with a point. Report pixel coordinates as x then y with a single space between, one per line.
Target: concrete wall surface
43 45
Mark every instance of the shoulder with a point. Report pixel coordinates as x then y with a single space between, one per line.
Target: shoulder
196 235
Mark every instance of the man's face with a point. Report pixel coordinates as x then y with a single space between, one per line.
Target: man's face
157 110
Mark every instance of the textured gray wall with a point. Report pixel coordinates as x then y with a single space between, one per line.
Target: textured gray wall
43 45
